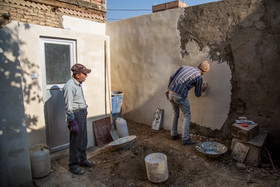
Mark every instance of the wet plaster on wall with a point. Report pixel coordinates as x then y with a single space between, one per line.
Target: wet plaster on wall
212 108
244 34
239 38
145 51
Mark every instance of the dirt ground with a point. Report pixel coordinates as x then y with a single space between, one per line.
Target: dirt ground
186 166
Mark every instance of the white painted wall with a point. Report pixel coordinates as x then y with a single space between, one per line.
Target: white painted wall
22 111
90 52
81 25
15 168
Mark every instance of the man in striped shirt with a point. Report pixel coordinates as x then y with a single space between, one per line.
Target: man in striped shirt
179 85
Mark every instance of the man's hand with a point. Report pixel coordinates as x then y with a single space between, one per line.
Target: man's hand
204 86
167 94
73 126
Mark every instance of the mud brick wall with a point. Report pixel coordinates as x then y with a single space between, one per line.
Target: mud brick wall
245 34
49 13
170 5
240 38
97 1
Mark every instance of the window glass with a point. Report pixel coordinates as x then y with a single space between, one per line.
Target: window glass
57 63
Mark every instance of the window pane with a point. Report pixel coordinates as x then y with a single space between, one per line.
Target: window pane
57 59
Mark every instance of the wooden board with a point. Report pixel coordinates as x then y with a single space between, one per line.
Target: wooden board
101 130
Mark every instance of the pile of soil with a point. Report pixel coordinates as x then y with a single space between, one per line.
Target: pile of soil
186 166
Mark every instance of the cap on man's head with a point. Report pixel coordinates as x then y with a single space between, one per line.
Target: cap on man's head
79 68
204 66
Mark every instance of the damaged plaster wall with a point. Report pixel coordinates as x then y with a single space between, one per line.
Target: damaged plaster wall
212 108
246 35
145 52
239 38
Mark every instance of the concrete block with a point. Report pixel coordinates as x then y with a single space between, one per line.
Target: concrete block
244 133
159 7
169 5
255 145
173 4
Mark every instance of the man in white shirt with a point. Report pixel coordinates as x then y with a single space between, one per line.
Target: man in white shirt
76 110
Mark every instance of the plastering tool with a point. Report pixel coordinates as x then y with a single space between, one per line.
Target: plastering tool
204 85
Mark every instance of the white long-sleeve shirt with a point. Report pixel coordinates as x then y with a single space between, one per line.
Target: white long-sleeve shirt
73 98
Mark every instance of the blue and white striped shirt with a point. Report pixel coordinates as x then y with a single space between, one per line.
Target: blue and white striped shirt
184 79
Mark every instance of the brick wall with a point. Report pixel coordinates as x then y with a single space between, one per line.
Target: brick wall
96 1
49 13
169 5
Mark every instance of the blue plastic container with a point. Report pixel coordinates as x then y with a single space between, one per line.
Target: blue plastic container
117 98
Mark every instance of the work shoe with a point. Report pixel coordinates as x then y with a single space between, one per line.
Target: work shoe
77 171
87 163
188 142
176 137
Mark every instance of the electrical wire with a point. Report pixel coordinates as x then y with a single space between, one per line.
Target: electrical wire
121 10
115 18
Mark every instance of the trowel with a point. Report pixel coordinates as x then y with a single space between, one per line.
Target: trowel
113 131
204 85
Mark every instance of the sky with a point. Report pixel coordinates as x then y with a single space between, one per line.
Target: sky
123 9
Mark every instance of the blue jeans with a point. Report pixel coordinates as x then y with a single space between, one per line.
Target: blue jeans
78 142
179 102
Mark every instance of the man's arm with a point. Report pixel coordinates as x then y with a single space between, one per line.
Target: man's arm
68 99
198 87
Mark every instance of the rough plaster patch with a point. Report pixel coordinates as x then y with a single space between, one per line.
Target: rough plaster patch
195 54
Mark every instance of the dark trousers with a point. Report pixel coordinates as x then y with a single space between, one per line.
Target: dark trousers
78 142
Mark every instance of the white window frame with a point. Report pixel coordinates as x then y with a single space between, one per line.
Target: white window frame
71 43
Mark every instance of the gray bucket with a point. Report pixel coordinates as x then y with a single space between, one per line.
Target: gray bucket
156 167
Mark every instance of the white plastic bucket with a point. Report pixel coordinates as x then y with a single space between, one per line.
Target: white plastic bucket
156 167
40 161
122 127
